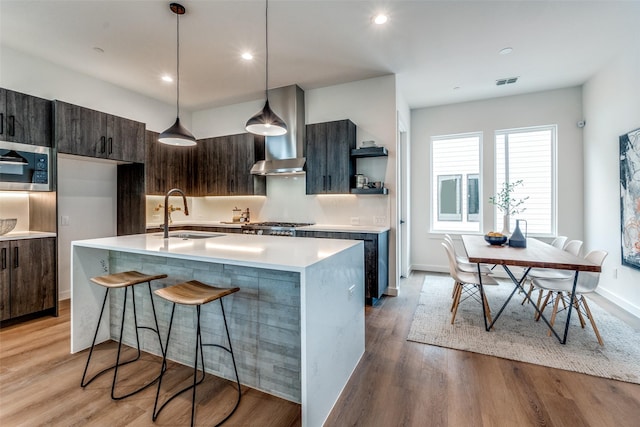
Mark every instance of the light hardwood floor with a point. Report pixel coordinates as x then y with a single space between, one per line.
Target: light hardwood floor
397 383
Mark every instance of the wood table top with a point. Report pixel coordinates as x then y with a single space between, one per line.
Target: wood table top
537 254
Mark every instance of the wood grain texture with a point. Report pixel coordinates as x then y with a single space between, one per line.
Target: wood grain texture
42 211
26 119
537 254
131 202
397 383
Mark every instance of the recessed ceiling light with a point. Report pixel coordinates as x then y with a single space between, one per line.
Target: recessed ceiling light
380 19
167 78
98 49
247 56
506 51
456 88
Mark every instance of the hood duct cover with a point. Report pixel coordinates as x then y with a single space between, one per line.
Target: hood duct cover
284 153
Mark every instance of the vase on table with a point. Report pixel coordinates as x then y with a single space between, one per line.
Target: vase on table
518 240
506 223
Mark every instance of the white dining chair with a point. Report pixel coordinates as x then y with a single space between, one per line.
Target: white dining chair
587 283
463 261
466 283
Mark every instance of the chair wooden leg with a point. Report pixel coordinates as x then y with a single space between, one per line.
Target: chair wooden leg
593 322
528 296
555 311
456 301
544 305
457 287
486 307
580 316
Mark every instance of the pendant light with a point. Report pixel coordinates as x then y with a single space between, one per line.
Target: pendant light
177 134
266 122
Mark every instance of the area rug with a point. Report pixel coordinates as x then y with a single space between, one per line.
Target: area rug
516 336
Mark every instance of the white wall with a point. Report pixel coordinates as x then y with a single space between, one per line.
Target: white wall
15 204
611 108
87 201
562 107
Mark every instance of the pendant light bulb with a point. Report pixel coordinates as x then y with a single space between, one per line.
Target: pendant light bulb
266 122
177 134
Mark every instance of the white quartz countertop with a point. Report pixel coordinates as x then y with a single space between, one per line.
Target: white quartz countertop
275 252
18 235
345 228
178 224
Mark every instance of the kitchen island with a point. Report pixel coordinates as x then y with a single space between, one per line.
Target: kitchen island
297 323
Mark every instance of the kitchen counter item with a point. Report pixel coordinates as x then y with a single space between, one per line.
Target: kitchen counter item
7 224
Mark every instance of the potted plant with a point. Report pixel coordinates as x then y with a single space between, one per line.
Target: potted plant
509 205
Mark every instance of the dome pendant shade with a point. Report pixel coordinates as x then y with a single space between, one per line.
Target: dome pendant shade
177 135
266 122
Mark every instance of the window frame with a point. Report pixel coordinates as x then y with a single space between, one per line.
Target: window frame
454 217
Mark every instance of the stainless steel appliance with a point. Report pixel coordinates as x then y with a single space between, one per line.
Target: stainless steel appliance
273 228
24 167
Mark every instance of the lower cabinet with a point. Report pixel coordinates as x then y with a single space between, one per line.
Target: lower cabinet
376 258
28 273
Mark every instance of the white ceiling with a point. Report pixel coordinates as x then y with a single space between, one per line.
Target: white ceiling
432 46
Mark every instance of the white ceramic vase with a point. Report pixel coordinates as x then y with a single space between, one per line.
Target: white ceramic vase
506 224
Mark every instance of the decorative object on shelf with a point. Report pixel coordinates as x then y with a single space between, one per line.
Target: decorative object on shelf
367 144
266 122
505 201
369 152
518 240
361 181
630 198
7 224
177 134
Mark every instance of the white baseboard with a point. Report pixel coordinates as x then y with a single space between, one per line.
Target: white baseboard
615 299
64 295
429 267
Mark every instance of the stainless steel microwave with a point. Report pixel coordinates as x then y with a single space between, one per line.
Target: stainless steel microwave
24 167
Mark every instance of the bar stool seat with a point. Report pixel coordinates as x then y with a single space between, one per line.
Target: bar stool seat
124 280
195 293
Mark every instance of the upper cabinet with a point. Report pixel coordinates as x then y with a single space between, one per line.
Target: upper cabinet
168 167
223 165
25 118
87 132
328 152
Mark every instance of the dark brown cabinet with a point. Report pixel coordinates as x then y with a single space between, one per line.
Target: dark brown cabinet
328 151
25 118
376 258
28 272
168 167
223 164
87 132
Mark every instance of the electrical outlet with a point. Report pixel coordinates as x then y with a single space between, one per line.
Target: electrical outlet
379 220
355 220
64 220
615 273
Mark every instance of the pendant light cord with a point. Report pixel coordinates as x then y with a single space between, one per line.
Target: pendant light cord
177 65
266 42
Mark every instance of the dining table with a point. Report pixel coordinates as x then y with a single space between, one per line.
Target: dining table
536 254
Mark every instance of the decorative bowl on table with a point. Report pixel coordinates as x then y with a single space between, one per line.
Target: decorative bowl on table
7 224
495 239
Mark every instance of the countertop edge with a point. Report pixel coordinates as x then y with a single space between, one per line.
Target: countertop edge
21 235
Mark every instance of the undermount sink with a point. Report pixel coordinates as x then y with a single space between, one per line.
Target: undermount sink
189 235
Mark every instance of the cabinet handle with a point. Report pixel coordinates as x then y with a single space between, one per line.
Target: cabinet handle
103 141
4 258
16 257
110 145
11 126
1 123
329 182
324 183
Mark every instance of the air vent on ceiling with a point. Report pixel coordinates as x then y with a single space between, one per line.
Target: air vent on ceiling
507 81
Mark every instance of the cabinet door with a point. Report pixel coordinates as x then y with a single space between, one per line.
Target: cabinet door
79 130
5 277
27 119
341 138
33 275
316 154
168 166
125 139
213 166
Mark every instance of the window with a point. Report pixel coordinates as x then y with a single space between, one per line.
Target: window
528 154
455 172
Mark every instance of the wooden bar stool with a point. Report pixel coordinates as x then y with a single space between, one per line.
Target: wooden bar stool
124 280
195 293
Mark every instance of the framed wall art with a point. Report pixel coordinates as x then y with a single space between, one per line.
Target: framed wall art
630 198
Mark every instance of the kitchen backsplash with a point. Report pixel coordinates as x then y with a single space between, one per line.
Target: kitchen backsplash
15 204
285 201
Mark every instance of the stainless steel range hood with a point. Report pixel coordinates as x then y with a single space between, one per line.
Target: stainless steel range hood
284 153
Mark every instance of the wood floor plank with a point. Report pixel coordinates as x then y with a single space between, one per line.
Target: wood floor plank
397 383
